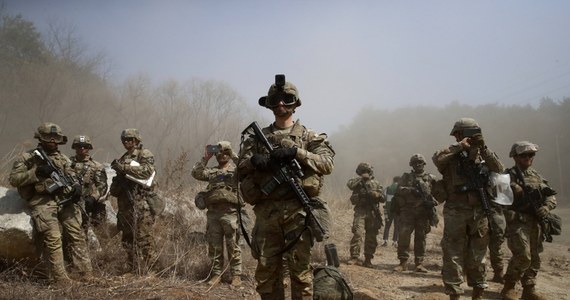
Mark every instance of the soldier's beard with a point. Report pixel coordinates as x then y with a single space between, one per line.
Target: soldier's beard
283 111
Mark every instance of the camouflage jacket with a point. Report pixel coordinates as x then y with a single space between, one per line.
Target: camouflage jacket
314 154
92 176
452 165
142 169
535 181
33 188
409 195
366 194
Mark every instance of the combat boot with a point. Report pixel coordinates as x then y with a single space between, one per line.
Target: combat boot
236 280
529 293
352 261
454 297
214 279
368 263
421 269
509 292
498 276
477 293
403 266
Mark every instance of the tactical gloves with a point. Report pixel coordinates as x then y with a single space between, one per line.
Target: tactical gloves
118 167
90 202
282 155
259 161
44 171
542 212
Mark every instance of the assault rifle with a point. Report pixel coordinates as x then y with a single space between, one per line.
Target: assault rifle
376 215
427 201
60 179
534 198
478 179
284 173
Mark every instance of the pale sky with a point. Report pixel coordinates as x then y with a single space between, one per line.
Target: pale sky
344 56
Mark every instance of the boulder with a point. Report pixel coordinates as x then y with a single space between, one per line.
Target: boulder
16 227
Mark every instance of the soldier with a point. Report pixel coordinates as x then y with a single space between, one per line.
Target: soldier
391 217
366 196
416 208
466 228
525 221
133 187
53 200
93 177
282 227
220 198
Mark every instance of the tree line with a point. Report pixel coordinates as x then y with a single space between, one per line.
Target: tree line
52 77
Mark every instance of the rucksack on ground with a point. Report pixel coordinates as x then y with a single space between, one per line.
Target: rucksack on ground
329 284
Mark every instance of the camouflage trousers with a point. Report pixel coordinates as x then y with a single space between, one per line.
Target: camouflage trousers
418 224
465 242
524 238
51 223
278 223
136 222
497 238
364 227
223 225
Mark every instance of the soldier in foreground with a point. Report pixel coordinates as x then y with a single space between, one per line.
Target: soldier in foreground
366 196
466 227
45 180
93 178
220 198
527 222
416 207
133 187
283 226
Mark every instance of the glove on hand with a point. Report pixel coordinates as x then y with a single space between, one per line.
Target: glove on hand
259 161
542 212
477 141
115 165
90 203
44 171
76 192
284 154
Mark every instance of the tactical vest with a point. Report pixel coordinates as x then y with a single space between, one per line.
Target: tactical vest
311 181
221 189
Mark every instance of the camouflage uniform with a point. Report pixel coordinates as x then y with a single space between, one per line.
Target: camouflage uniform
280 217
47 215
222 217
93 177
524 231
367 193
496 240
466 228
414 215
134 216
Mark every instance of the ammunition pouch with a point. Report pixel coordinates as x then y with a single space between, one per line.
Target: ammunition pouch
250 191
221 195
554 224
155 203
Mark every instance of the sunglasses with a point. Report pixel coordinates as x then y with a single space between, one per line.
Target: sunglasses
82 146
287 99
527 155
128 139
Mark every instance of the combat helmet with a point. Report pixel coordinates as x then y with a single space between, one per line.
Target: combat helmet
131 133
281 90
363 168
225 146
417 158
464 123
81 140
49 131
521 147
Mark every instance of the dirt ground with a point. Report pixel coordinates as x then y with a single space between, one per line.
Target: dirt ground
377 283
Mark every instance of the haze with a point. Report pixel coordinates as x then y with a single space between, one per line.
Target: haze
343 56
